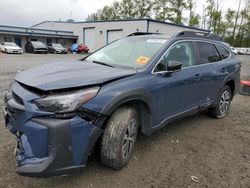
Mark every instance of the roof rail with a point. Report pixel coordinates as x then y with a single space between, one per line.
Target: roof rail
143 33
198 34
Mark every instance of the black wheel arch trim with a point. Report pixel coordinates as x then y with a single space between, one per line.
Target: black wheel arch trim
140 95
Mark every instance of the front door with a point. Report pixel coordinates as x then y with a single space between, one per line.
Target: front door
179 91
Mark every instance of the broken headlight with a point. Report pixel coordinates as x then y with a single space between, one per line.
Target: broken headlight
66 102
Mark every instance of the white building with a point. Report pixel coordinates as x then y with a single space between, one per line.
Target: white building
96 34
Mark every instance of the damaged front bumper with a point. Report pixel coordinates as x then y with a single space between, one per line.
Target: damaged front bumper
46 145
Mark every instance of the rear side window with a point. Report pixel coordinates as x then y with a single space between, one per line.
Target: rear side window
207 53
223 52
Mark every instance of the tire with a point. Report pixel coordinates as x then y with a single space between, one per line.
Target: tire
6 51
118 140
223 104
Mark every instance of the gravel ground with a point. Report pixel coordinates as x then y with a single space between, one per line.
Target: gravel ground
217 152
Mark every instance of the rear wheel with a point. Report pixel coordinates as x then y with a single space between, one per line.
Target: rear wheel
119 137
222 107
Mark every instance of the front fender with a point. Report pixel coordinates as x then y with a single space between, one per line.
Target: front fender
111 96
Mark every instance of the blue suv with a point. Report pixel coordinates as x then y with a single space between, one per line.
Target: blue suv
59 112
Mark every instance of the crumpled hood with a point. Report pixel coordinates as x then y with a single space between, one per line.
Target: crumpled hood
56 76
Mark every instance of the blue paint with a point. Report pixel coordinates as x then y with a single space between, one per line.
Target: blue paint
80 132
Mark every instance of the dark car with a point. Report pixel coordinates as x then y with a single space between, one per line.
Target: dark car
60 111
57 48
36 47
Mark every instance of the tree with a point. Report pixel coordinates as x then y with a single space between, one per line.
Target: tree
214 16
176 8
236 21
170 10
93 17
143 9
161 10
193 19
230 15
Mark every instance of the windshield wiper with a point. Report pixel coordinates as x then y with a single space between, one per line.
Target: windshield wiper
101 63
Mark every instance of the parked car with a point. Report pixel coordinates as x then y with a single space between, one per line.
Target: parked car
240 51
82 49
10 47
247 52
234 50
36 47
56 48
60 111
78 48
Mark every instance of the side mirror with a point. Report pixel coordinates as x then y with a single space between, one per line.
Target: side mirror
174 66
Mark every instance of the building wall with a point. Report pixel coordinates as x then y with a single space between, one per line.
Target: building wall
101 28
64 26
166 29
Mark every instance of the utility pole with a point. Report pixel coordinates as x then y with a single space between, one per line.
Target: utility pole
236 20
203 22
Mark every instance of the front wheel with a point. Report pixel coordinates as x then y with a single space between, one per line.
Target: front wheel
119 137
222 106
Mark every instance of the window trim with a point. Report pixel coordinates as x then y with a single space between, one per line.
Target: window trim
199 57
215 45
189 40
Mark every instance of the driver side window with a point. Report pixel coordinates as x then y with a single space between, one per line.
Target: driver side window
182 52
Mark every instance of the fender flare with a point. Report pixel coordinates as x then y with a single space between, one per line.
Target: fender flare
139 95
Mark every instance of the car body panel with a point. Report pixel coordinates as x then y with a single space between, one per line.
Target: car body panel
64 75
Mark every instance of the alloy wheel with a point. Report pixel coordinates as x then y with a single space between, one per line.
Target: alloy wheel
224 102
129 139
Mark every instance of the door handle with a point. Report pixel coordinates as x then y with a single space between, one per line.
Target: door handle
197 77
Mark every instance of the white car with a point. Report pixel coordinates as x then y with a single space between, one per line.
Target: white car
11 47
234 50
247 52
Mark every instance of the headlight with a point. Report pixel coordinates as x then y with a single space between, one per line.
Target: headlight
66 102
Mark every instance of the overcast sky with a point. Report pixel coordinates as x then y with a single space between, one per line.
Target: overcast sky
29 12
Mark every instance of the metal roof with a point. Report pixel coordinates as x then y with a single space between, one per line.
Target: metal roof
126 20
26 31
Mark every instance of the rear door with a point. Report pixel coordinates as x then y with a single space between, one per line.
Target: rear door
208 58
227 66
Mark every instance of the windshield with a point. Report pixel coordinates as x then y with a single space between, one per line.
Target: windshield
38 44
10 44
133 52
57 45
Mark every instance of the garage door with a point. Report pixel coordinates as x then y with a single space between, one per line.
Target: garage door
89 38
114 35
